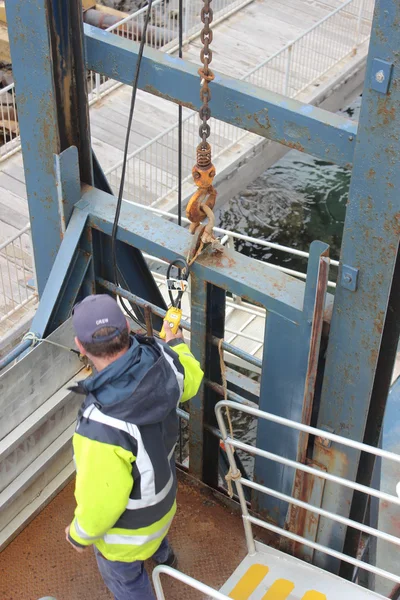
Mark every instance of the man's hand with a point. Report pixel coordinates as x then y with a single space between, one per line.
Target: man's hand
80 550
172 336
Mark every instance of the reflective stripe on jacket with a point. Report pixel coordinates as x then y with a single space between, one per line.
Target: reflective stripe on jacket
124 449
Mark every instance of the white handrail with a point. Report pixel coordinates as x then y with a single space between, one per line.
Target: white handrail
240 481
193 583
132 16
15 237
233 234
289 45
320 433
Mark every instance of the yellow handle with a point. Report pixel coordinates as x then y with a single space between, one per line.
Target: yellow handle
173 317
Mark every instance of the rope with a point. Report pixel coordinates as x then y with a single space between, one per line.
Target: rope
195 257
206 236
36 339
231 475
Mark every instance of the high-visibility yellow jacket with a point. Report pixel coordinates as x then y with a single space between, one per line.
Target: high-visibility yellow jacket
124 445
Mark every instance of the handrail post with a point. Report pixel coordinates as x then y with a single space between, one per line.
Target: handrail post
97 79
287 70
359 24
186 20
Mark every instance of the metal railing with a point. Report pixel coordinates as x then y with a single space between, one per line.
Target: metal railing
9 130
231 444
152 174
185 579
311 55
162 33
16 273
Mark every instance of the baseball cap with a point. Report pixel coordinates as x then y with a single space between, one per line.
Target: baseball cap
94 313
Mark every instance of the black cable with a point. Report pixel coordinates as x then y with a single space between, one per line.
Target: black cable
180 54
180 25
183 268
124 163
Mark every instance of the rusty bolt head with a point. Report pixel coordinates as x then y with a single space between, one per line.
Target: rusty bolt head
203 178
380 76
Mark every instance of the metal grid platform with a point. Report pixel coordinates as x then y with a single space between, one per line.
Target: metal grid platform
207 536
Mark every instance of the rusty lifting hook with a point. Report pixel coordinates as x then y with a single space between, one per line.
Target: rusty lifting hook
202 202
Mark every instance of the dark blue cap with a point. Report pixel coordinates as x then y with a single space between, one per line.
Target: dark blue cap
94 313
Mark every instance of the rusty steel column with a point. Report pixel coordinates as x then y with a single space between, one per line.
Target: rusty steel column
365 325
46 42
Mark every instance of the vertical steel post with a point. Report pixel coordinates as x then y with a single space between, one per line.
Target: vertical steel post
290 357
46 41
207 318
363 341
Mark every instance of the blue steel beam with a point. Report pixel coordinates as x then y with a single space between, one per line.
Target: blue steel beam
363 340
278 292
60 277
289 122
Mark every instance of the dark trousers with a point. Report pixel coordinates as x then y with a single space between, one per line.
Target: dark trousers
129 581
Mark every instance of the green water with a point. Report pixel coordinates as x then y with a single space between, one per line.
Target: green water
297 200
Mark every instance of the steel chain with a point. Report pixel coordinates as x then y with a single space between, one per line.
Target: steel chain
206 74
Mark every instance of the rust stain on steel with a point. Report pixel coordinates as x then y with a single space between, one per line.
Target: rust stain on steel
335 461
261 115
156 92
313 356
371 173
293 145
217 259
386 110
303 485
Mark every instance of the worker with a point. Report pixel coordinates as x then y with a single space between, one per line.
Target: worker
124 443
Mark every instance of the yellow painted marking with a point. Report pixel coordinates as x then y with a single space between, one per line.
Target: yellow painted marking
279 590
249 582
313 595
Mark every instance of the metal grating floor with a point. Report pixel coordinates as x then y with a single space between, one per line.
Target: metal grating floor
207 537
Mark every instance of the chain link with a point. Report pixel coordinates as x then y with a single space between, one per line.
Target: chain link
202 202
206 74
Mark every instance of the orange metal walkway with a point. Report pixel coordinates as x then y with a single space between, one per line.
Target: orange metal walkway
207 536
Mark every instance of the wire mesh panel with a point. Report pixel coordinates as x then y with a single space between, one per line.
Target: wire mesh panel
16 274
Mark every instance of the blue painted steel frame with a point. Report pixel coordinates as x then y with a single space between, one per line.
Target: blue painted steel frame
295 124
244 277
289 305
355 387
353 380
37 114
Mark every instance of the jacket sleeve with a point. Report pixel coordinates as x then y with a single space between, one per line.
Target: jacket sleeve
193 375
103 485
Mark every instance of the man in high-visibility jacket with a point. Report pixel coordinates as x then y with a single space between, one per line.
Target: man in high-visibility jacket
124 444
